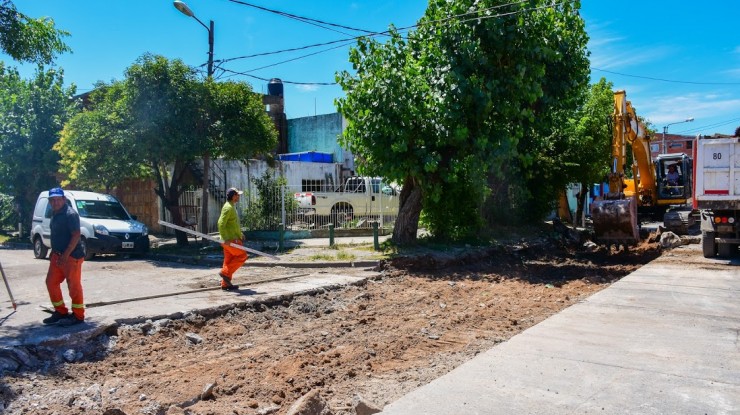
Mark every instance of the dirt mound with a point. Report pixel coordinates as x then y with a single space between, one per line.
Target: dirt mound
425 316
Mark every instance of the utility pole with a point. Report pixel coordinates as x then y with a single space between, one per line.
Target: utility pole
665 129
184 9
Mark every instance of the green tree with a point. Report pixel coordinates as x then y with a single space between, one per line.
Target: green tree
32 114
104 124
29 40
468 95
168 118
589 138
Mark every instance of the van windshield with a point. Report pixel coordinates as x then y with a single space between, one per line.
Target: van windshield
100 209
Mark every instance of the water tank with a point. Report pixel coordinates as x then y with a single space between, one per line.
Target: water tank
275 87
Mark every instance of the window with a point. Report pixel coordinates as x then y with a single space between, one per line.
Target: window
313 186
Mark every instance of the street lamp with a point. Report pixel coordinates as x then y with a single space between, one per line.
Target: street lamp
184 9
665 129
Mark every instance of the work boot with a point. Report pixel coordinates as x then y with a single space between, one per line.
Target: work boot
55 318
70 320
226 284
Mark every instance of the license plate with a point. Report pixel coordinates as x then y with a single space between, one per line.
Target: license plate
127 245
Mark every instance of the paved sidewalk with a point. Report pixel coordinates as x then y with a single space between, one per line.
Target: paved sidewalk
663 340
128 291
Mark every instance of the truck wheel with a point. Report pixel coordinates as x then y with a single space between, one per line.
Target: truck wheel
341 214
708 246
726 250
39 249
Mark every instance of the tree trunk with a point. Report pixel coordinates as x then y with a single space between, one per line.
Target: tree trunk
581 204
173 205
409 209
169 194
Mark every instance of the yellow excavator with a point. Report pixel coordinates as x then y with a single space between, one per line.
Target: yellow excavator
654 188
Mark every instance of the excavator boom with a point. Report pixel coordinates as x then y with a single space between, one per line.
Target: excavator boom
615 216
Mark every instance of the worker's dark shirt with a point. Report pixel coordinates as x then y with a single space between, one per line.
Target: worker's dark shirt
62 224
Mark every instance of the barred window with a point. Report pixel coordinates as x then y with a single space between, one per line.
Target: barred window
313 186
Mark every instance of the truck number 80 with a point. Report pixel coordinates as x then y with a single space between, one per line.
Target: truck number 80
717 156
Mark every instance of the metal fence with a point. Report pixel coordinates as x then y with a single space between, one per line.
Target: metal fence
279 206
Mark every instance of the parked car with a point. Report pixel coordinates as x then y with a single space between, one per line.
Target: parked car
105 225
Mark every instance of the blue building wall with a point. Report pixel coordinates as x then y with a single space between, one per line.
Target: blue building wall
319 133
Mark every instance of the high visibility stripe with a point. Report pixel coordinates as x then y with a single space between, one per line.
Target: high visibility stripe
57 303
78 305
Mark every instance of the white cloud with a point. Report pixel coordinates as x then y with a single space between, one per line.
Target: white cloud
307 88
733 72
669 109
620 57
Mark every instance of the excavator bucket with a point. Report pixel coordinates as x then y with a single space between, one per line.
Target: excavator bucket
615 221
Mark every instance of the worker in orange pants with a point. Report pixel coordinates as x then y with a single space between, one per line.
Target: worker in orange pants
231 232
65 262
71 270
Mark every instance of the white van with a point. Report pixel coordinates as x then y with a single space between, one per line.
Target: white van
105 225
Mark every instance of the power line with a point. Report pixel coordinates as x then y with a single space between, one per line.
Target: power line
386 32
719 124
302 18
348 41
666 80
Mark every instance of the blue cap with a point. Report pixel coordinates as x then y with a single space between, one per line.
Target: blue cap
56 192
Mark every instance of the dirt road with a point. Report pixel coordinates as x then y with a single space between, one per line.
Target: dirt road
425 316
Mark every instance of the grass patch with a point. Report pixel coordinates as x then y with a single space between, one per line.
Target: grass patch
345 256
321 257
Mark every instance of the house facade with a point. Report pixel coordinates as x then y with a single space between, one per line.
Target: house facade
300 140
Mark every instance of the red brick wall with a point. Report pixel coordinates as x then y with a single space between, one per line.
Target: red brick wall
139 199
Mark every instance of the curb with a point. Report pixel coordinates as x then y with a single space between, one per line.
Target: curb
219 262
16 245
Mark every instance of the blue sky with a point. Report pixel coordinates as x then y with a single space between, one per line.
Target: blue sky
638 47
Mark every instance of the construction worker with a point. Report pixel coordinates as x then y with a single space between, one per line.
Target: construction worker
230 232
65 263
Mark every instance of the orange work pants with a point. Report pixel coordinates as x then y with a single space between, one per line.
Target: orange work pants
72 272
234 258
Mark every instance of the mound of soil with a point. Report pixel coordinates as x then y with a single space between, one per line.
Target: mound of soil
373 343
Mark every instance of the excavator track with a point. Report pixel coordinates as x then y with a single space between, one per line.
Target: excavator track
679 221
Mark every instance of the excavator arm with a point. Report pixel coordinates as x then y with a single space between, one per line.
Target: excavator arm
615 217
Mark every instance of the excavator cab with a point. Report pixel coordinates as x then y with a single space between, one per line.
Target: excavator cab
674 178
674 184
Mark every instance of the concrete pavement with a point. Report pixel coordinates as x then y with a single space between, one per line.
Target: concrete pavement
128 291
663 340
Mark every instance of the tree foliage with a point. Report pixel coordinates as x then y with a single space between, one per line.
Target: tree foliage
102 128
32 114
588 149
475 93
27 39
163 118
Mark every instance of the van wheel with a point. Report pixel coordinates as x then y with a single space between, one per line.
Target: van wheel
39 249
88 255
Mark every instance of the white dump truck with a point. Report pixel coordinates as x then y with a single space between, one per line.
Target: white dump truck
717 193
